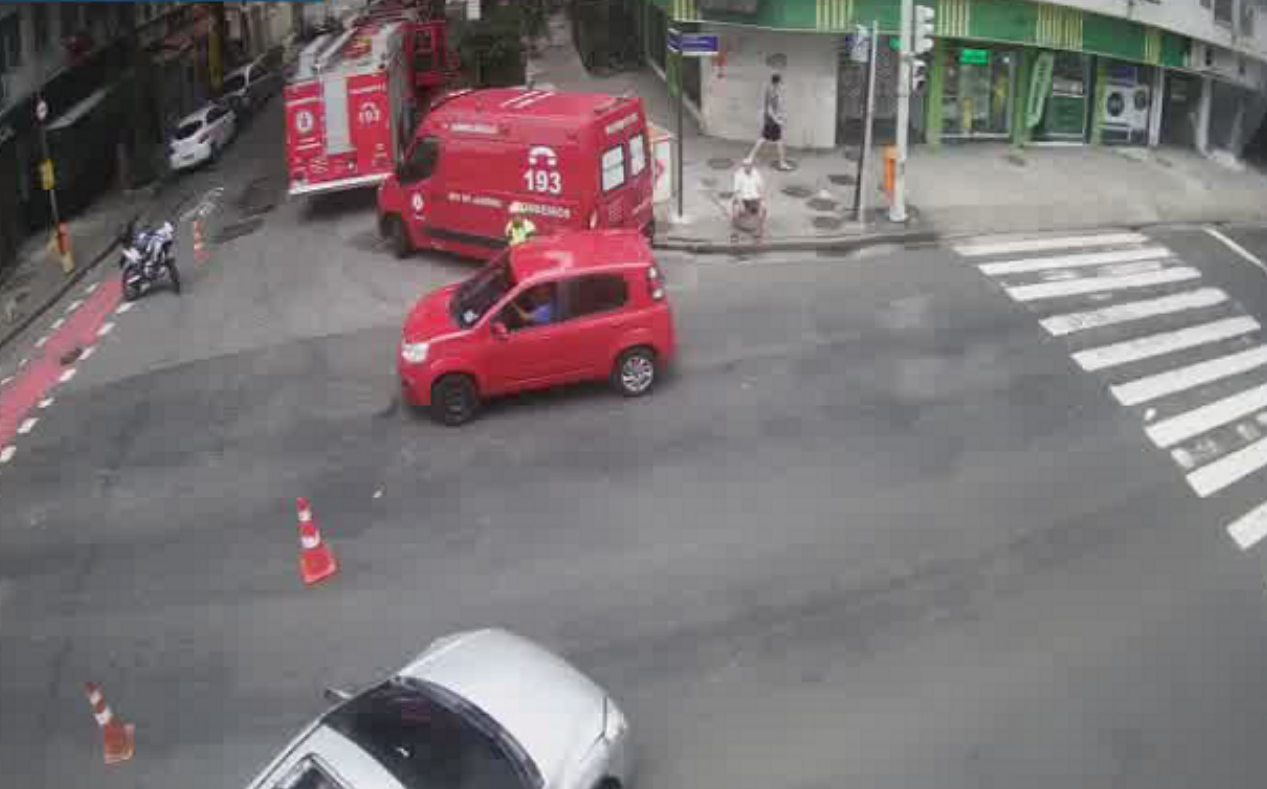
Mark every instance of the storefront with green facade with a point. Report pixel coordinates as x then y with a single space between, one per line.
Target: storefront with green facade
1030 73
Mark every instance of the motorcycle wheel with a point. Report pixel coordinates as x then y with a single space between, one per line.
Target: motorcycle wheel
131 290
175 277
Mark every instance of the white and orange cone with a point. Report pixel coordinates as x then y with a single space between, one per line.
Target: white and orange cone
200 248
119 738
316 560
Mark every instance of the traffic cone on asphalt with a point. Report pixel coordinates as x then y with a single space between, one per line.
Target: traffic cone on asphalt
200 249
316 560
119 737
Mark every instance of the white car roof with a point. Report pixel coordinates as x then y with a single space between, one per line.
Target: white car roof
199 114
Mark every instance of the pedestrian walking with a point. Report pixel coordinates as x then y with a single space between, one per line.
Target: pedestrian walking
773 119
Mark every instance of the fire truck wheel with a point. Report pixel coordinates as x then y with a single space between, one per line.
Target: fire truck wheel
401 245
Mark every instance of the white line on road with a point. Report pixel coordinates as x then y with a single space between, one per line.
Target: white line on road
1078 287
1180 428
1230 468
1163 343
74 305
125 306
7 453
5 380
1183 378
41 341
1074 261
67 374
57 324
1061 325
92 288
105 329
1237 248
1251 527
46 402
89 351
27 426
1041 244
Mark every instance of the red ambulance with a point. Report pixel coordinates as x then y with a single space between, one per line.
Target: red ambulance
571 160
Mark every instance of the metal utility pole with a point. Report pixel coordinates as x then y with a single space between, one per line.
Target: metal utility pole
897 209
863 183
677 165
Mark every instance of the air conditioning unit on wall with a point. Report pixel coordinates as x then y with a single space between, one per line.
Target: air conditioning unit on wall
730 6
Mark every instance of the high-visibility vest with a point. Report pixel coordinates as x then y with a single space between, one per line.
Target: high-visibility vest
519 232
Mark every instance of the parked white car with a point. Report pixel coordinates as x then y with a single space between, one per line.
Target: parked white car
201 136
249 87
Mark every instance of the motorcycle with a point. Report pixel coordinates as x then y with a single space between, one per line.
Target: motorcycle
147 259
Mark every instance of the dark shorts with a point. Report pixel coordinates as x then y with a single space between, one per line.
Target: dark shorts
751 206
771 131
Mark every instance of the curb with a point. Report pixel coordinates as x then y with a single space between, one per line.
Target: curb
799 243
74 280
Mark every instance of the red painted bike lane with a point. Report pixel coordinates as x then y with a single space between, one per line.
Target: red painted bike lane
80 328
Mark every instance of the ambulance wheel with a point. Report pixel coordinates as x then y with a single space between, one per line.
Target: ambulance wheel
402 247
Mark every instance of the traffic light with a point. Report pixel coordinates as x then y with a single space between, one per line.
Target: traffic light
923 29
919 75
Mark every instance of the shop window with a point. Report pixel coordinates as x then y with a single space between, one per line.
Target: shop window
1223 12
39 26
68 24
614 168
10 42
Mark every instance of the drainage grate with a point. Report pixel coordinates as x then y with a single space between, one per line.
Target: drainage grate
709 183
721 163
799 192
1012 158
822 204
725 195
840 179
828 222
239 229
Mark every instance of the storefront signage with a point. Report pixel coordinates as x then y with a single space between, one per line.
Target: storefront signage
1039 88
974 57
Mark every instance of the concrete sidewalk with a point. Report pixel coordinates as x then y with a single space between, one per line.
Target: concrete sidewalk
952 190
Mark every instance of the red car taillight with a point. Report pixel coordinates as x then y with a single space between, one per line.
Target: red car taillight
655 283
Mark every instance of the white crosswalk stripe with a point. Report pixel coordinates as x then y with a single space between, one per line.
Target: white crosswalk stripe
1215 398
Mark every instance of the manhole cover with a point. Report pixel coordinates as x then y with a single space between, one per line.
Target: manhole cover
840 178
239 229
721 163
828 222
725 195
799 192
708 182
852 154
822 204
1016 160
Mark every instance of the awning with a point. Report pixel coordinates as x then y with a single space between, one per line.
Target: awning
72 116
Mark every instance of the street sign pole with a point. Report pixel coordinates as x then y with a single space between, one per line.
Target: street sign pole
681 141
41 115
862 183
897 209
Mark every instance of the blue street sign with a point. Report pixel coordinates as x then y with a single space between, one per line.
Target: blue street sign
693 45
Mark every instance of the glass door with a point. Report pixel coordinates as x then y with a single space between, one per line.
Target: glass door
977 94
1065 116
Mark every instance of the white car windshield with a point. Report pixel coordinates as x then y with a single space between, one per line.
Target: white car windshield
235 83
429 738
187 130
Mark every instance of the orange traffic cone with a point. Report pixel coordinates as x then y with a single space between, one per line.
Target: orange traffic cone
316 560
200 249
119 738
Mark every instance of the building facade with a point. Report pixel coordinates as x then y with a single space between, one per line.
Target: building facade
1129 72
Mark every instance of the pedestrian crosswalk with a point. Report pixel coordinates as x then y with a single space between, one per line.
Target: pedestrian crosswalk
1182 353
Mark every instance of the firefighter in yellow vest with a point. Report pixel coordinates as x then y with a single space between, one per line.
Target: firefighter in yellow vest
520 228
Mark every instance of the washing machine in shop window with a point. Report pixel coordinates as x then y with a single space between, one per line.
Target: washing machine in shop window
1126 111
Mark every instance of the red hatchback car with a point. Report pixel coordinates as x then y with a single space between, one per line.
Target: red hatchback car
578 306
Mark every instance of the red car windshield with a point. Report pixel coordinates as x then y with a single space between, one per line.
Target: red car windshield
478 294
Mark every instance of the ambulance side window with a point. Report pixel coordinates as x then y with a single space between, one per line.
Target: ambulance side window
422 160
614 168
637 155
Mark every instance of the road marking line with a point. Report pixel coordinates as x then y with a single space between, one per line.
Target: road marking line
1074 261
89 351
41 341
67 374
23 363
1078 287
57 324
1230 468
1180 428
1163 343
92 288
27 426
6 380
1060 325
1181 378
1237 248
1040 244
74 305
46 402
105 329
1251 527
125 306
7 453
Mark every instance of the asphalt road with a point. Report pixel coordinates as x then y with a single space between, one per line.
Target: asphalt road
878 529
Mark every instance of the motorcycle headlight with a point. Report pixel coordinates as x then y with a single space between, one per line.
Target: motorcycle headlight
414 352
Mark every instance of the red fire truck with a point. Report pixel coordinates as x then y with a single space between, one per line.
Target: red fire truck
356 95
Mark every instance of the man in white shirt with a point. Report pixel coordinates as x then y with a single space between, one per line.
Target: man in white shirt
747 206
